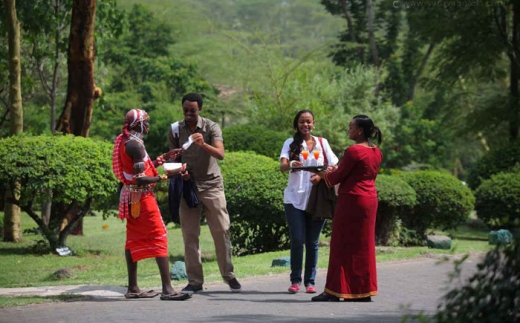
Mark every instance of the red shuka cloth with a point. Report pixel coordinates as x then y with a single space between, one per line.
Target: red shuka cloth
146 235
352 262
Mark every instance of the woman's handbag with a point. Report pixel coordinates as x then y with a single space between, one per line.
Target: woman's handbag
322 201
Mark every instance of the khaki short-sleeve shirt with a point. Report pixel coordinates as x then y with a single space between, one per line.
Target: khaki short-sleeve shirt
201 165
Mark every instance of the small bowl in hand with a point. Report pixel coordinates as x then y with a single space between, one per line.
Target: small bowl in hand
173 168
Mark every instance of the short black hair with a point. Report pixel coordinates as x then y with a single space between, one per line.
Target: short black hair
193 97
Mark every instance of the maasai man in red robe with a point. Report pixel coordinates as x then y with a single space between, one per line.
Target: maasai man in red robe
146 235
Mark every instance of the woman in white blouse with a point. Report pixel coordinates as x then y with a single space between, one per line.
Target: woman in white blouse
303 229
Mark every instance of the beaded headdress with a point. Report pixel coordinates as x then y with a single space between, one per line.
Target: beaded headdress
133 117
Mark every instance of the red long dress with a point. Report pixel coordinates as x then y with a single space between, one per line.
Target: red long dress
352 262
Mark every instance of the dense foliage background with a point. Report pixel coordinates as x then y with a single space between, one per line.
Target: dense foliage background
441 83
258 62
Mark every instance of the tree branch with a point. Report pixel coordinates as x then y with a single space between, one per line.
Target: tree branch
413 82
351 30
75 220
43 79
4 117
501 23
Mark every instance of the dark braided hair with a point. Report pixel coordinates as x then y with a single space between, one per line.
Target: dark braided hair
370 131
295 147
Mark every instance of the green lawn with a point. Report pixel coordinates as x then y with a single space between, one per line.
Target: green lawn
99 258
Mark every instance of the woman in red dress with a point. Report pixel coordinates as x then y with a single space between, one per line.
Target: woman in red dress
352 264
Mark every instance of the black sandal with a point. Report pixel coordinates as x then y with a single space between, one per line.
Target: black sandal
363 299
324 297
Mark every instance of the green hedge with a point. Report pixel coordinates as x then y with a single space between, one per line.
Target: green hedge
395 197
442 201
498 200
254 193
254 138
501 159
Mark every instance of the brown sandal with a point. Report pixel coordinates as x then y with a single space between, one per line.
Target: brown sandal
175 297
148 294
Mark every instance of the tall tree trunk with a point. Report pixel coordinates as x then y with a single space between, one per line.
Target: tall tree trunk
371 37
81 92
514 120
12 223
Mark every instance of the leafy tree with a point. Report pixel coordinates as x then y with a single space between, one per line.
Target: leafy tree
144 75
377 34
76 115
45 28
76 170
419 139
480 44
45 33
333 95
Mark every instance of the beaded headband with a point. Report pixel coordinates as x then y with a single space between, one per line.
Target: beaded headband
135 116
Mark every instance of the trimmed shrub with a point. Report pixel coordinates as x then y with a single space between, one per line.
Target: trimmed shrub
254 138
498 200
442 201
501 159
75 173
395 196
254 192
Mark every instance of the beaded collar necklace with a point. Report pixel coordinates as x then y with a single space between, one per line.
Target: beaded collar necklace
136 136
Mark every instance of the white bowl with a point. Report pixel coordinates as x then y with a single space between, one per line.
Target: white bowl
173 167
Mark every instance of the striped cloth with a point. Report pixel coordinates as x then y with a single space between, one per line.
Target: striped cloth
117 168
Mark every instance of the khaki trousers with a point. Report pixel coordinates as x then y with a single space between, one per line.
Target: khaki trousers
214 201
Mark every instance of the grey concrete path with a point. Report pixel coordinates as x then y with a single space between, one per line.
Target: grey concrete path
404 287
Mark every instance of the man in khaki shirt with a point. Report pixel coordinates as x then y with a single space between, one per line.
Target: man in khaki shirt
201 161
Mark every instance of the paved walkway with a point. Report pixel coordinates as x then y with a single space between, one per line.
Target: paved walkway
404 287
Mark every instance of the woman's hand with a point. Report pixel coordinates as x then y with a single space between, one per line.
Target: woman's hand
295 163
315 179
332 168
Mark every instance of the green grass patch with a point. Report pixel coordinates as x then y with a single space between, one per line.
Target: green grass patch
99 256
12 301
